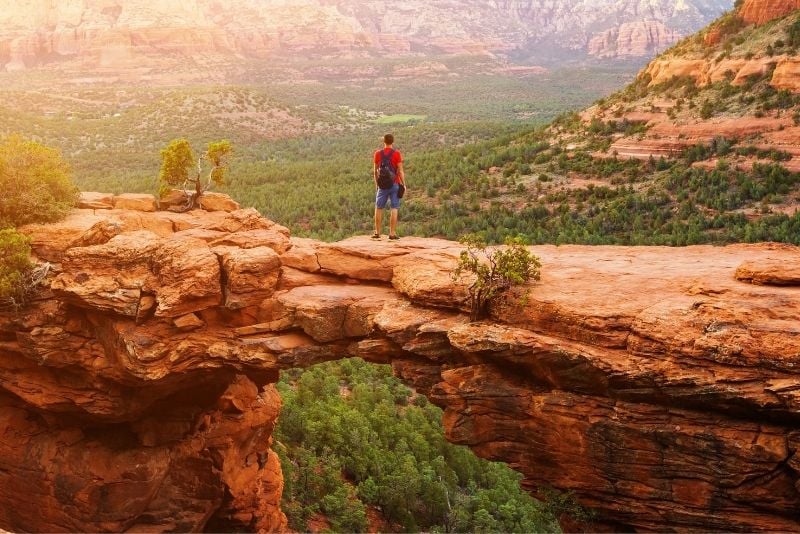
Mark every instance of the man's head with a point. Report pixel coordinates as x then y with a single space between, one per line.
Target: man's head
388 139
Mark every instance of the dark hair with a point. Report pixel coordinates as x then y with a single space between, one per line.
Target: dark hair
388 139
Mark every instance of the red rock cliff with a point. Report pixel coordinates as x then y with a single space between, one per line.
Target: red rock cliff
660 385
763 11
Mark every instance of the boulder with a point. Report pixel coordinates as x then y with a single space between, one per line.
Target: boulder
363 258
787 75
302 255
770 271
186 277
108 277
135 202
95 201
50 241
211 201
173 200
333 312
275 238
188 322
250 275
427 278
292 278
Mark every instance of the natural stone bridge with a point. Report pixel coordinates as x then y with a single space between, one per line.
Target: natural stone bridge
660 385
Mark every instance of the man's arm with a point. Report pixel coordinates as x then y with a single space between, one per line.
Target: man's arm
375 174
401 173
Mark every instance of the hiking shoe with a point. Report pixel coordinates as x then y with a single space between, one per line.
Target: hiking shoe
376 236
393 238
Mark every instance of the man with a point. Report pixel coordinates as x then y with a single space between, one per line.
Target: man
387 172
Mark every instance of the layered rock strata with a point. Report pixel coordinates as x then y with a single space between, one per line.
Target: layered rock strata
659 385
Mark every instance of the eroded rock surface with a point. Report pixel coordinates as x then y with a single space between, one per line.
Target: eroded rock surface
660 385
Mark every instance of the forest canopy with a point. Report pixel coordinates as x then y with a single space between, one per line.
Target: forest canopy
355 442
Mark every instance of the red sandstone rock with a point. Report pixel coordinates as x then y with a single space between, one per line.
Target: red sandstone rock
362 258
651 382
787 75
108 277
186 277
292 278
276 238
712 37
576 440
96 201
329 313
302 255
420 277
211 201
771 271
135 202
173 200
188 322
762 11
251 275
49 241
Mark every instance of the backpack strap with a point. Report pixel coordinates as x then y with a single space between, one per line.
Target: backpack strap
387 158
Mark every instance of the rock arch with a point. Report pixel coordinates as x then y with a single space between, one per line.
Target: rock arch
137 392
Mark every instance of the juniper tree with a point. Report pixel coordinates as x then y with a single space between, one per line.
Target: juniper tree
181 168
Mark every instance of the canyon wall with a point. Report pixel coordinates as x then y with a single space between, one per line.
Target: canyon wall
763 11
659 385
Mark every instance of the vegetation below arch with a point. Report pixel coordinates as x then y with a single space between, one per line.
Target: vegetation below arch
358 447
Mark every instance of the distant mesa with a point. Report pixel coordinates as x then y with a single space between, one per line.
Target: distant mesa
633 39
118 35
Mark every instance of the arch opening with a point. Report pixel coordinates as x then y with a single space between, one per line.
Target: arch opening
363 452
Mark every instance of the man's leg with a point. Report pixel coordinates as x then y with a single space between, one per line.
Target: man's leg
393 222
378 220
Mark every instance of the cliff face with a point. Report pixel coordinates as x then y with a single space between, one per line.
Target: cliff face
116 34
763 11
660 385
638 39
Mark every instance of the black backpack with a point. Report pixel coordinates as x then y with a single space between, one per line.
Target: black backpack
386 172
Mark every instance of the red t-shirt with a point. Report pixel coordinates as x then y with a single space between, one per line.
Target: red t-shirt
397 159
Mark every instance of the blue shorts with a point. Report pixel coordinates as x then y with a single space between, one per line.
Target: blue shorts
384 195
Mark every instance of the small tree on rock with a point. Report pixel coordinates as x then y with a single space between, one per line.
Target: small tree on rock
495 270
180 168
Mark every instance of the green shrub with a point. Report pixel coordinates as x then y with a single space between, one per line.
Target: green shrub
15 264
793 33
495 271
35 182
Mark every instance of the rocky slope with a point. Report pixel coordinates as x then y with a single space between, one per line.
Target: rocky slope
659 385
116 34
739 78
